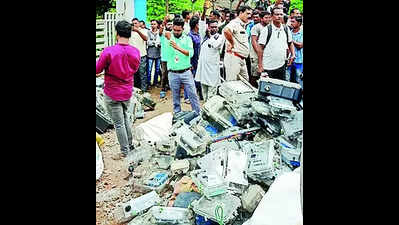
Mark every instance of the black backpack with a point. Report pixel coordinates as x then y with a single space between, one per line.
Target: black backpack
269 33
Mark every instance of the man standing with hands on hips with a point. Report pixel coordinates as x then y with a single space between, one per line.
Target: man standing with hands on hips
179 52
237 45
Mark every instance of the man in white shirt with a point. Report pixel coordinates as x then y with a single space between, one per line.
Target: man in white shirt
186 16
139 40
273 51
255 33
208 71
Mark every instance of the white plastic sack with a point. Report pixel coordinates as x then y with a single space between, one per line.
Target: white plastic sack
155 129
281 204
99 162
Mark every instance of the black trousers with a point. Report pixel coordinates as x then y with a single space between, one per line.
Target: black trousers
278 73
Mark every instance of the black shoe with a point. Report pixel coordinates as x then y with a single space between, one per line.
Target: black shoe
131 147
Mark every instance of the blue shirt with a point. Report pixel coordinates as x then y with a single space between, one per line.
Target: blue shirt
298 37
249 28
196 38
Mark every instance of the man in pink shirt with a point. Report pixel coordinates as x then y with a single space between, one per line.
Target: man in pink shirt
120 62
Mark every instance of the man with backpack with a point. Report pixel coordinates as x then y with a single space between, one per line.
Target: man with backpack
274 40
255 32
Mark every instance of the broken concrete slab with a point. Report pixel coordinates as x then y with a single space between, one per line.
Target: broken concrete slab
251 197
180 166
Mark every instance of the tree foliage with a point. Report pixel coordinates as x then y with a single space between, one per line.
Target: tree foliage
156 9
297 4
103 6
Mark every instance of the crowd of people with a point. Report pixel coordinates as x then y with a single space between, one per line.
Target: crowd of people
195 52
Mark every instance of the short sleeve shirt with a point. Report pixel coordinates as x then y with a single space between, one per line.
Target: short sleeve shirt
175 59
240 37
298 37
255 31
136 41
275 52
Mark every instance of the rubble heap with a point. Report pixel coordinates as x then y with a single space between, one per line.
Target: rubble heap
219 164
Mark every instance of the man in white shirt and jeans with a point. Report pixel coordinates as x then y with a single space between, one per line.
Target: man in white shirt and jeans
273 52
139 39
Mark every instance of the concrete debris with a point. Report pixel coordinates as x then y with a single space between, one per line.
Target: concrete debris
251 197
180 166
171 215
163 161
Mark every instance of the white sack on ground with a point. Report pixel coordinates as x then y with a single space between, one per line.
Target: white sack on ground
155 129
99 162
281 204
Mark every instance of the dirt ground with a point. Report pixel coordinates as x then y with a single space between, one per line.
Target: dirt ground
112 188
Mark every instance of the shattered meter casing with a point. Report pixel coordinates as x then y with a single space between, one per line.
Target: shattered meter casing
156 181
293 126
215 160
209 183
288 151
193 139
260 156
237 92
207 207
238 98
215 109
138 205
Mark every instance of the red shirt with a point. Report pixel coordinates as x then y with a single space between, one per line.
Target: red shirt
120 62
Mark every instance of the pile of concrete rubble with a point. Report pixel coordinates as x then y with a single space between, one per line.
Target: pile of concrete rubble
214 168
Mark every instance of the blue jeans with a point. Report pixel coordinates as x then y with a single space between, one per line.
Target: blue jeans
187 79
157 70
197 86
118 110
298 70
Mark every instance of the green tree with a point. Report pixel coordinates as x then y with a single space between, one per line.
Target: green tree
156 9
297 4
103 6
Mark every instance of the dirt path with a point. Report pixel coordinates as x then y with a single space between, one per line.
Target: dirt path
111 188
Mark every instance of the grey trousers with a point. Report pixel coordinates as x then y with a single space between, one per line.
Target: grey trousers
118 110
